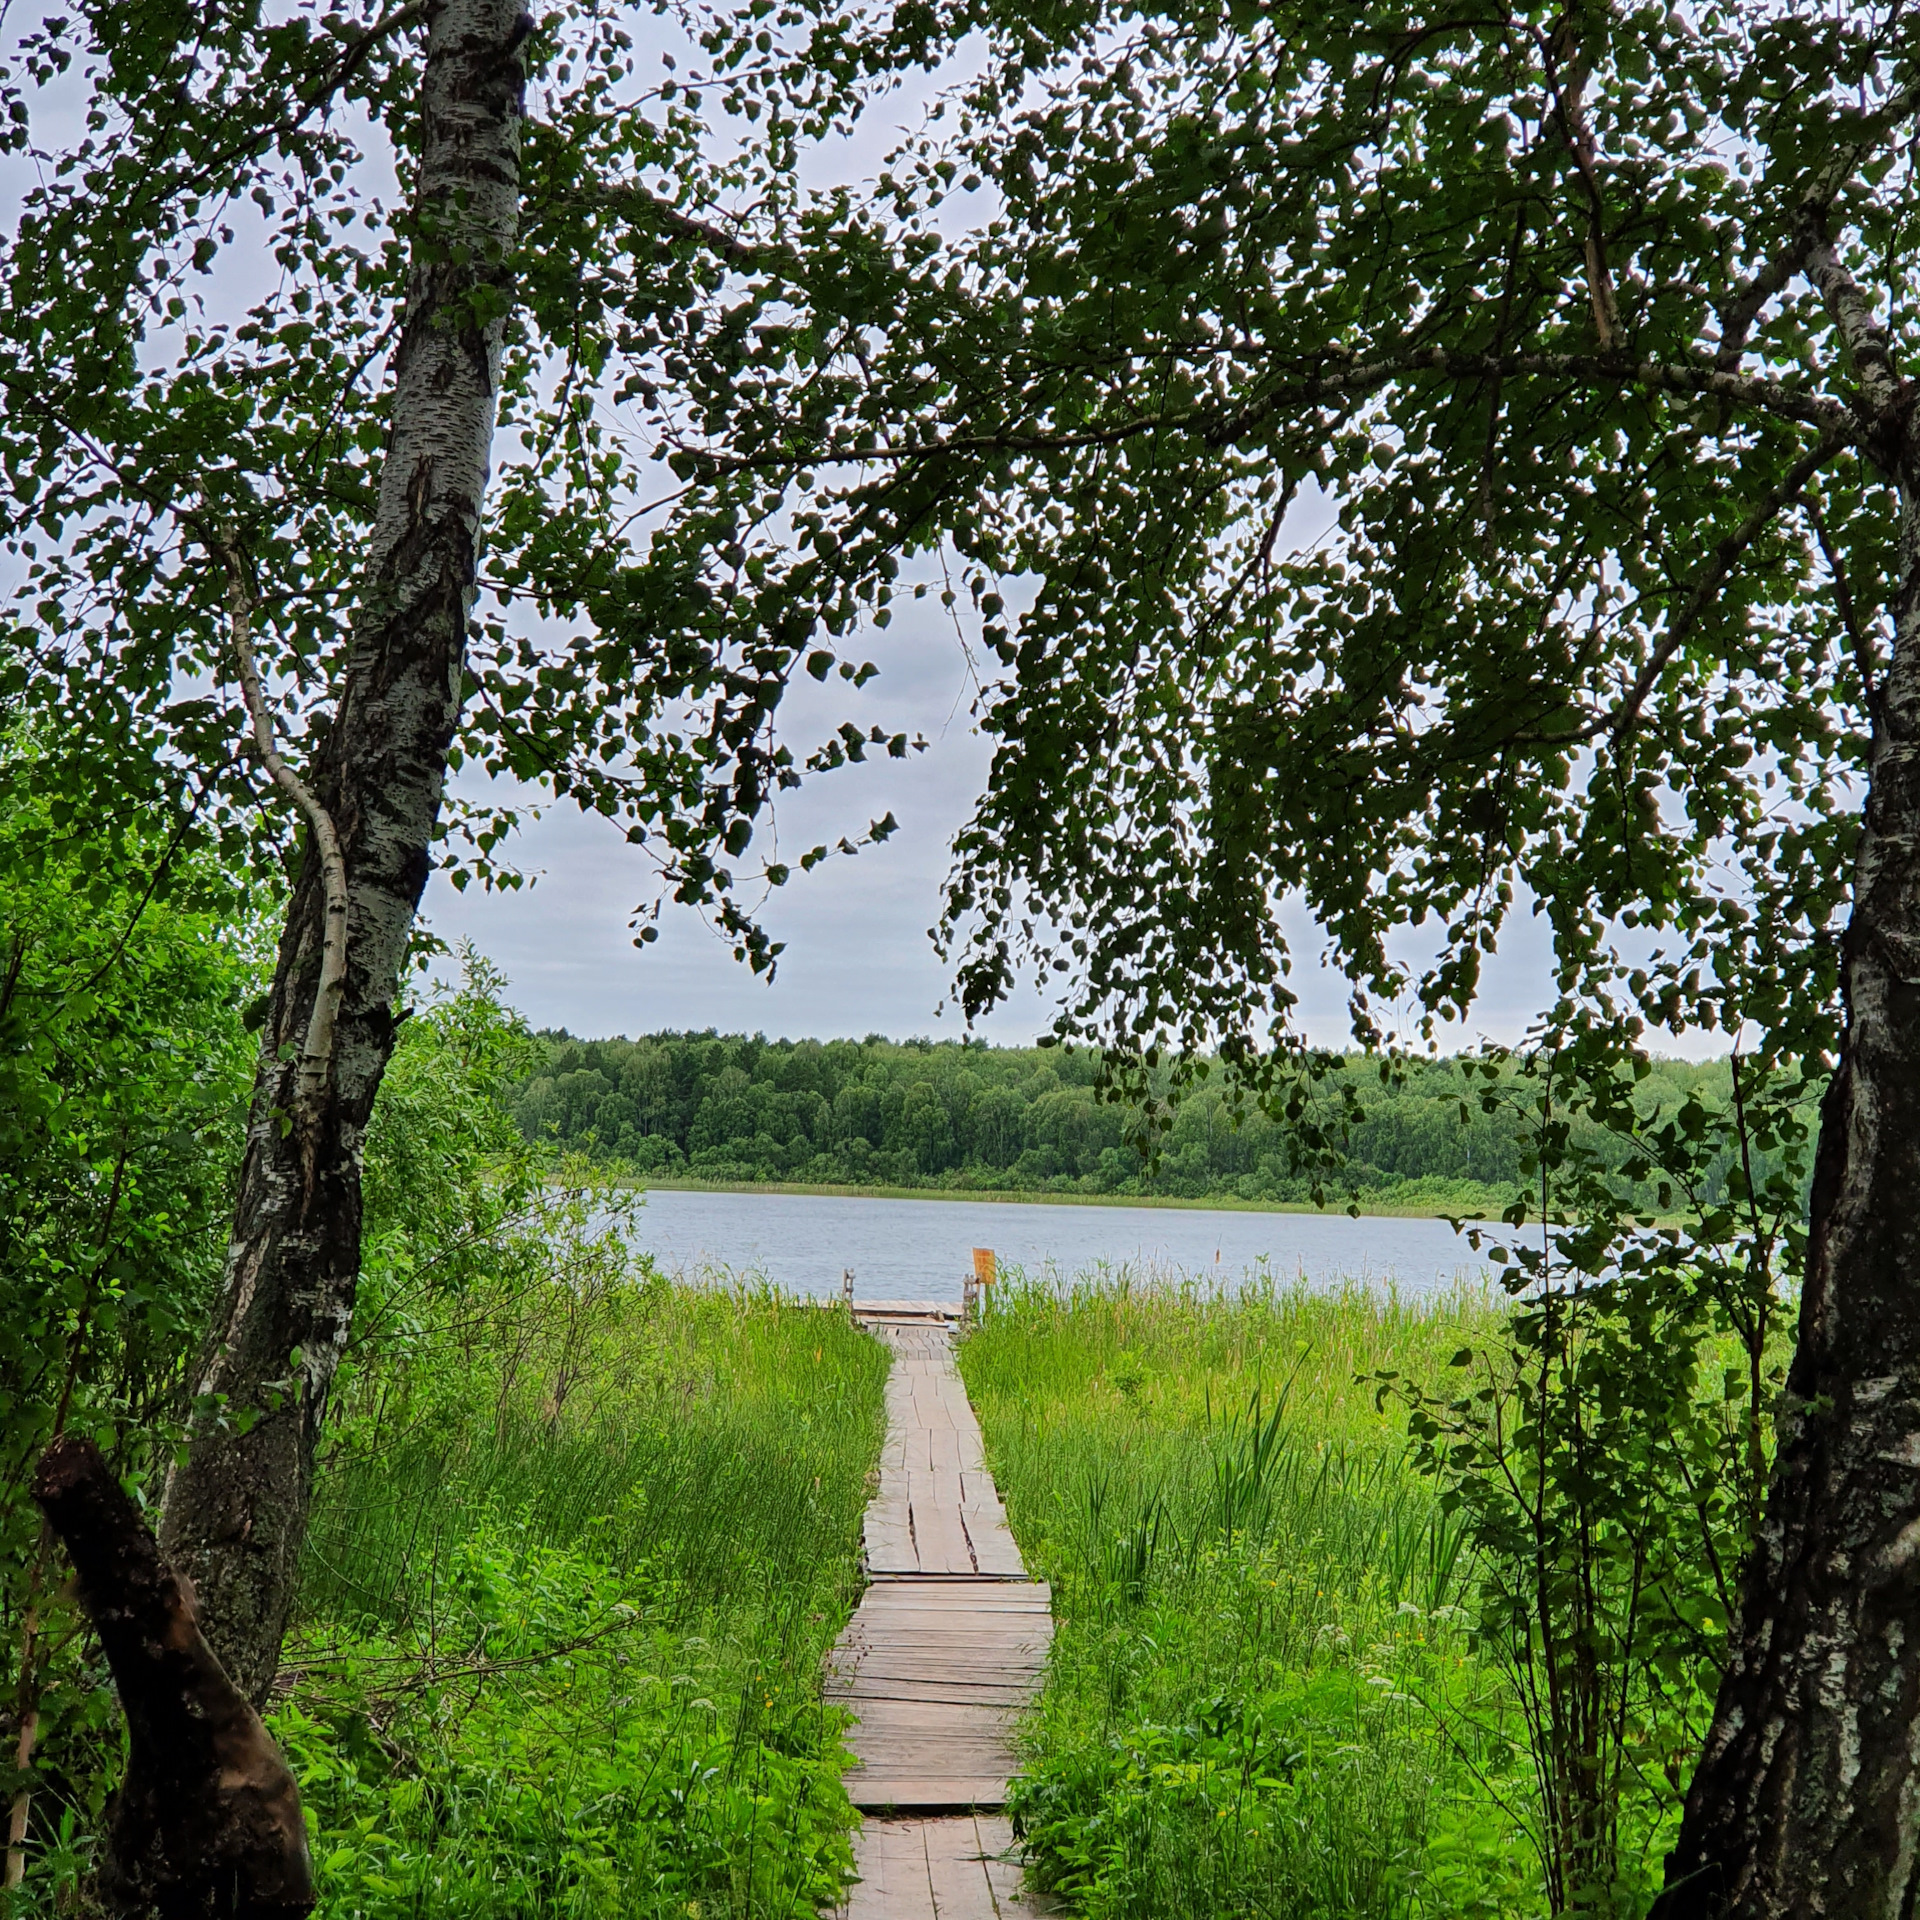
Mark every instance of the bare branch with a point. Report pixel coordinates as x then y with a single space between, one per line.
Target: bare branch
316 1056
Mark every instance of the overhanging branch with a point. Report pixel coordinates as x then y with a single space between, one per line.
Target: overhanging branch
1726 556
1347 377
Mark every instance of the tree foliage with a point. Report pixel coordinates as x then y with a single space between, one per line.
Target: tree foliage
1404 460
202 291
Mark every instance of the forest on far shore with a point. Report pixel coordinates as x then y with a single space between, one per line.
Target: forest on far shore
967 1117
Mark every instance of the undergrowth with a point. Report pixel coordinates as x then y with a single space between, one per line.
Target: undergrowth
563 1659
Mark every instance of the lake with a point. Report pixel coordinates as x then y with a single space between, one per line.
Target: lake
922 1249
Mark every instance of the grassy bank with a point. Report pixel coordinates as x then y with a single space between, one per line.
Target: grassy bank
1416 1200
569 1585
1262 1699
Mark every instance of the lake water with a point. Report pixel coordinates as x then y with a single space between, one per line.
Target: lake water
921 1249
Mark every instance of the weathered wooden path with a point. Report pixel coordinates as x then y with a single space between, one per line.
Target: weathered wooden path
944 1650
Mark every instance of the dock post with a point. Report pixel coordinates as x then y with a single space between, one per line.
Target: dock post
985 1272
846 1287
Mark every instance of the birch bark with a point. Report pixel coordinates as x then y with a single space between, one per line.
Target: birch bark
236 1507
1806 1800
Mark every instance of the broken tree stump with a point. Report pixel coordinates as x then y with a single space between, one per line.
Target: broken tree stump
207 1824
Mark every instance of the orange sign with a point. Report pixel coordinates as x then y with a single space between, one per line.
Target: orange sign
983 1265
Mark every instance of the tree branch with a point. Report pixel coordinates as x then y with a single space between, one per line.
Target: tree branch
316 1056
1857 634
1737 317
1725 555
1834 418
330 83
683 226
1577 130
1739 314
1867 341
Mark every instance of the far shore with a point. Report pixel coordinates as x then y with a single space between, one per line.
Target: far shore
1371 1209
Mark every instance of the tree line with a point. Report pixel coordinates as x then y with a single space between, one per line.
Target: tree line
961 1116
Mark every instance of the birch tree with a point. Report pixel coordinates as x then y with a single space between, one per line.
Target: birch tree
316 495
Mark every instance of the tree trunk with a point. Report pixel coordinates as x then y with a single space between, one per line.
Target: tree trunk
236 1509
1806 1800
207 1823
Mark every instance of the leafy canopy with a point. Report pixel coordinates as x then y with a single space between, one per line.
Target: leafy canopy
201 293
1421 446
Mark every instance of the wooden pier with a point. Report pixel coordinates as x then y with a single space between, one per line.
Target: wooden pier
943 1653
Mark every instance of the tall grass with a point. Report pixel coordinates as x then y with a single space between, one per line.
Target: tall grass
565 1603
1261 1691
724 1450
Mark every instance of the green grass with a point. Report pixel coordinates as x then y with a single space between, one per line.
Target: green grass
565 1659
1262 1700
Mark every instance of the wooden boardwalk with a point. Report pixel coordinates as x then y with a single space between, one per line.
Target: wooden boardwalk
945 1649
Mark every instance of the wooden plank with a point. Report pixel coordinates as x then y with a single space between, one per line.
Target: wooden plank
890 1856
905 1791
1025 1652
936 1486
883 1664
993 1545
933 1724
974 1760
1016 1636
974 1775
1028 1649
1008 1697
891 1550
997 1688
938 1634
1033 1595
977 1489
892 1621
886 1667
956 1875
962 1594
999 1860
941 1540
966 1880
